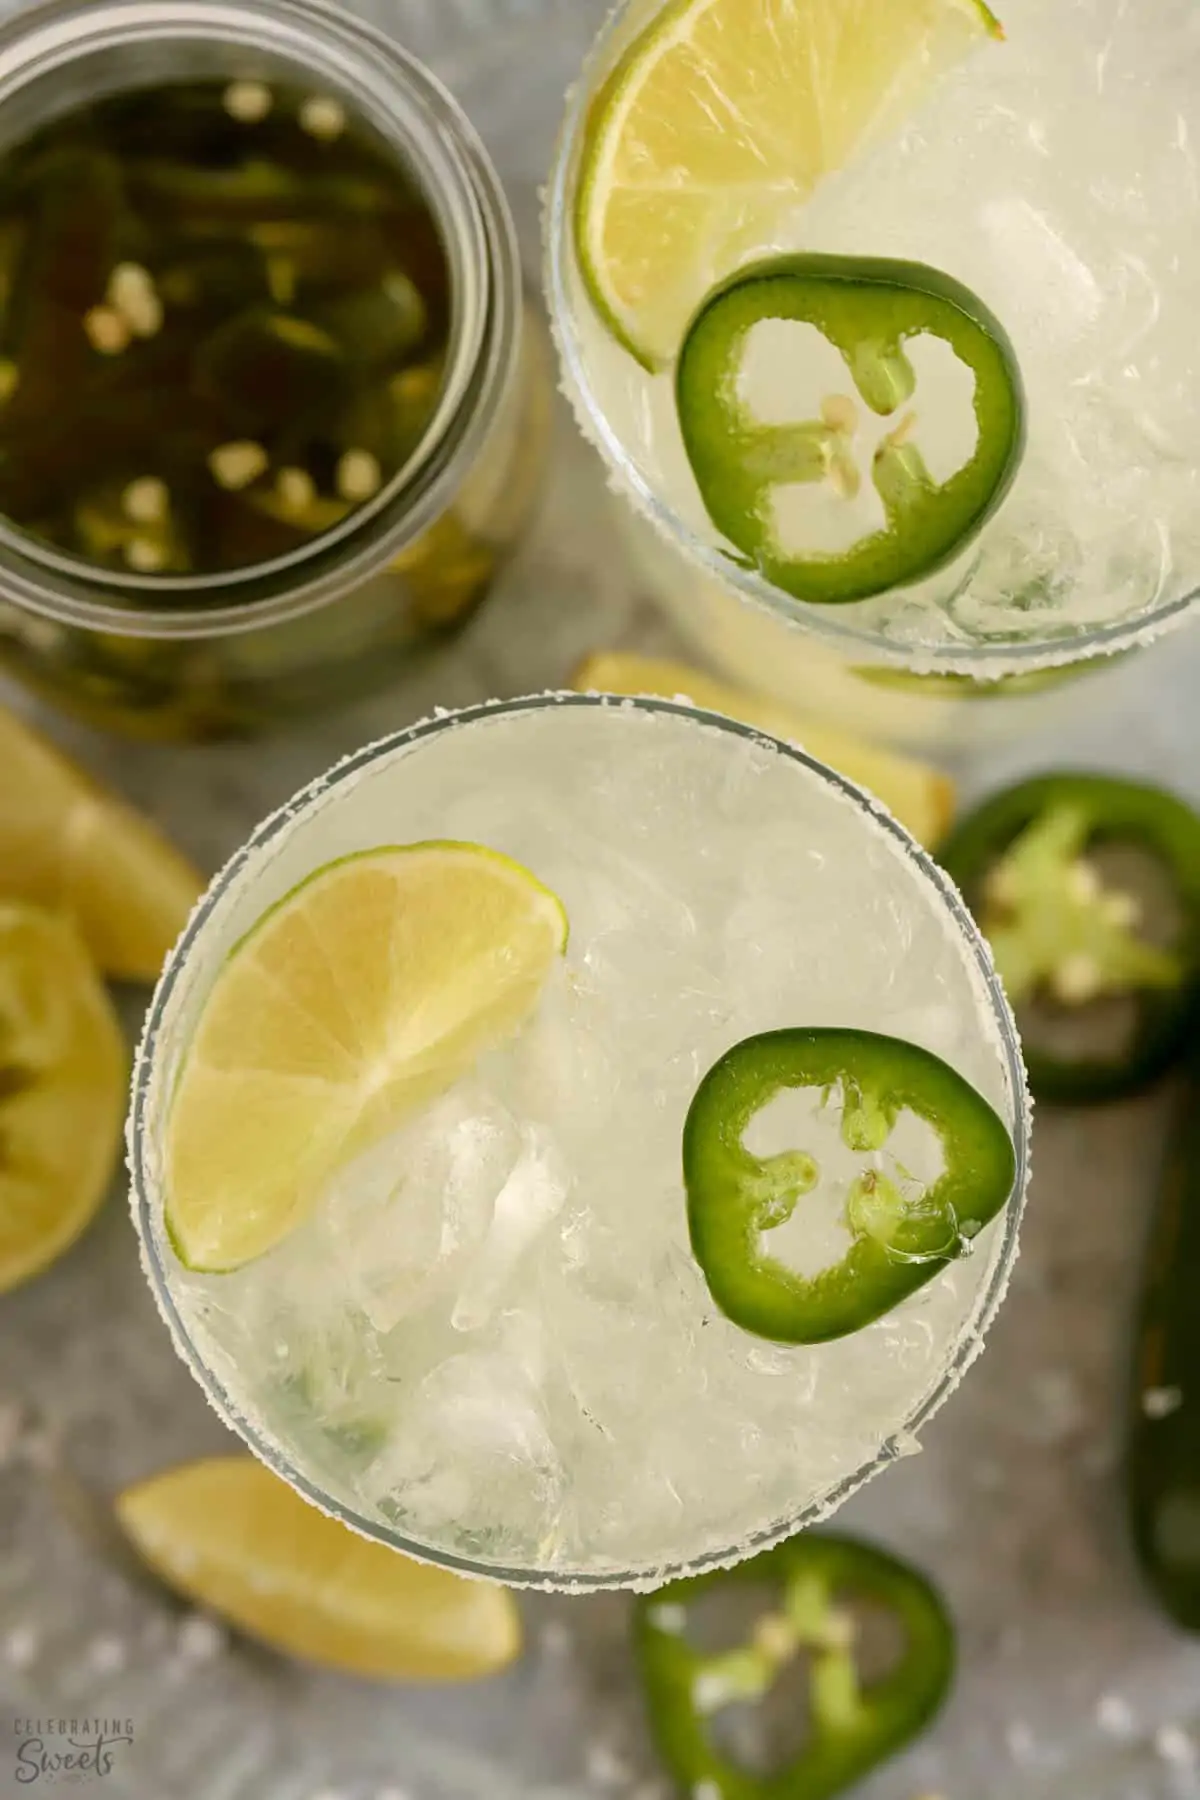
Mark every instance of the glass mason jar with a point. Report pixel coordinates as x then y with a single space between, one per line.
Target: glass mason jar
228 654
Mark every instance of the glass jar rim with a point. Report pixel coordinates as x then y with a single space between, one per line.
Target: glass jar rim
411 110
985 660
143 1176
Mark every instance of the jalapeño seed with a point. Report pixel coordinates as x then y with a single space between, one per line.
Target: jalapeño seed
225 313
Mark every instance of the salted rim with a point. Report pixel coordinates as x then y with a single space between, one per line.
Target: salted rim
987 661
143 1193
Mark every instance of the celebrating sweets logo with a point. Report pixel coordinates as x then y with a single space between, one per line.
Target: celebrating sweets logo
59 1750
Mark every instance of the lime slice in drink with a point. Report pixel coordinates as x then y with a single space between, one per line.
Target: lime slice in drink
722 117
67 844
62 1090
366 991
235 1538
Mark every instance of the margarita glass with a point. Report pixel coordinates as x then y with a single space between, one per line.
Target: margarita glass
1043 171
490 1344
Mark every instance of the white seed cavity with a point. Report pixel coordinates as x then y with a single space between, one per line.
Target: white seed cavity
845 478
248 102
10 379
1077 979
237 464
1001 888
839 412
146 501
897 439
359 476
145 315
107 330
323 117
1083 883
775 1638
296 489
132 292
144 555
1122 909
839 1631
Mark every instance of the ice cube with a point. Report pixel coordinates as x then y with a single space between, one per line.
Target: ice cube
405 1217
625 904
472 1445
532 1195
561 1064
1065 297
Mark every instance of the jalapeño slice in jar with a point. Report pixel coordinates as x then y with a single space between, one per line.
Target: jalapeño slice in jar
901 1231
1088 889
815 1584
835 507
224 312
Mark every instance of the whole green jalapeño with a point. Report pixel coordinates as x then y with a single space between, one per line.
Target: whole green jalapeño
901 1232
815 1580
871 312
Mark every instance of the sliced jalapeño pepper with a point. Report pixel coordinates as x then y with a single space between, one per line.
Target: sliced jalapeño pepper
854 1723
901 1232
1163 1469
871 312
1063 934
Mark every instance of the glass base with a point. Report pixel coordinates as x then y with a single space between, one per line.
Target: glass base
951 718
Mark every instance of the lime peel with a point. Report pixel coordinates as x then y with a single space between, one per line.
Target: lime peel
720 115
233 1537
362 994
62 1090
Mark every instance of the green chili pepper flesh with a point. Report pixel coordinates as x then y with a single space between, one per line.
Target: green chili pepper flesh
901 1232
1059 932
871 312
854 1724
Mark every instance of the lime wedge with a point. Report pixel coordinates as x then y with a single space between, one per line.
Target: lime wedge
722 117
920 797
62 1090
235 1538
67 844
364 993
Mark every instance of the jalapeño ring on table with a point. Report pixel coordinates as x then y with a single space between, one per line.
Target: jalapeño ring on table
1022 860
855 1724
898 1241
870 311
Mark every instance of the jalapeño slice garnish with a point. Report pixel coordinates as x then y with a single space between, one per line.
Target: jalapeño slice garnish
871 312
901 1232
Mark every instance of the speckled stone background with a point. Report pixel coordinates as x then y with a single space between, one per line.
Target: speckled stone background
1071 1685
